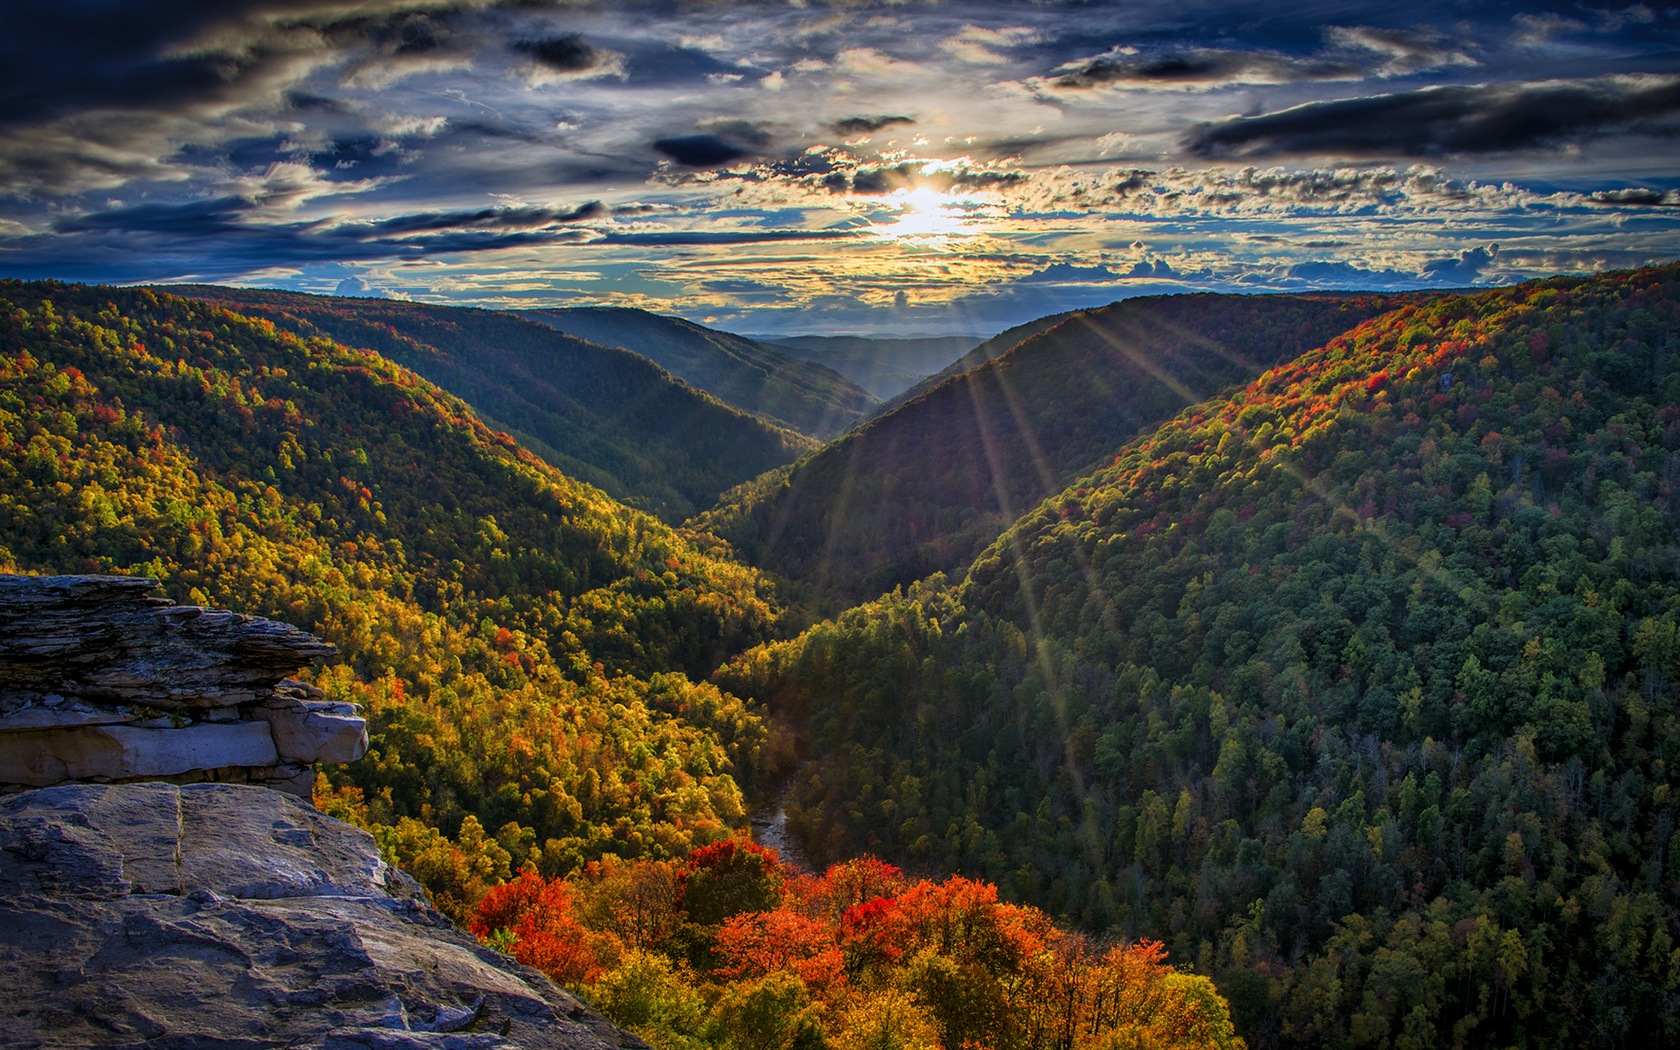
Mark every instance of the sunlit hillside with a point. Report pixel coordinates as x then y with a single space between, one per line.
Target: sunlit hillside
530 652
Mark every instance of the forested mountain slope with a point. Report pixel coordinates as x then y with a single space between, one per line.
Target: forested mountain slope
809 397
1358 685
527 649
601 414
926 487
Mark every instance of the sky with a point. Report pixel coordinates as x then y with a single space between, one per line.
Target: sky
892 168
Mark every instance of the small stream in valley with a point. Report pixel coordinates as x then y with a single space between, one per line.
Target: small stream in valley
769 827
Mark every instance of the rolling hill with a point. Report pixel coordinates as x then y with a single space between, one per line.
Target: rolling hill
601 414
803 395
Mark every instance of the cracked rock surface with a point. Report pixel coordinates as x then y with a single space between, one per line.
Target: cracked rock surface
100 681
227 916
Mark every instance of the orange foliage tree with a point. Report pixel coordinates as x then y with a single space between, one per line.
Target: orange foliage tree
727 949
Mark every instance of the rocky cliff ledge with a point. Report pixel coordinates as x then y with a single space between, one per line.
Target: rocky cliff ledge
229 917
99 681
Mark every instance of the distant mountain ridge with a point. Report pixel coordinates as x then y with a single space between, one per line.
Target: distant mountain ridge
601 414
806 396
886 367
979 354
925 487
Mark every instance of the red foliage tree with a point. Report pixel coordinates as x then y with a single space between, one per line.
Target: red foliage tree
728 878
538 913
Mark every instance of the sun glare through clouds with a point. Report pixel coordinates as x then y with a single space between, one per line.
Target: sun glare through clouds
926 216
982 163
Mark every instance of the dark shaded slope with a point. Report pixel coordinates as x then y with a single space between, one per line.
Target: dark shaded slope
599 413
925 487
1361 685
991 349
811 398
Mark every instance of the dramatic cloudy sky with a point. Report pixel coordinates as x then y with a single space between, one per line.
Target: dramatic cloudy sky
842 166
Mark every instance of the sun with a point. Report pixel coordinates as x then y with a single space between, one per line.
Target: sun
925 216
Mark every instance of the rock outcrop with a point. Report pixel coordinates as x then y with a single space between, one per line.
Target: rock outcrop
229 917
101 682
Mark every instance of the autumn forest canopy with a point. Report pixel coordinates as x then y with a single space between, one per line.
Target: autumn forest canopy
1288 670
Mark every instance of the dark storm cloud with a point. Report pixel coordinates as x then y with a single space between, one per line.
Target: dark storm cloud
1447 120
61 58
568 53
1200 67
242 216
700 151
406 33
1463 268
864 125
487 219
165 241
872 181
1133 181
306 102
196 219
1070 273
1638 197
31 94
977 179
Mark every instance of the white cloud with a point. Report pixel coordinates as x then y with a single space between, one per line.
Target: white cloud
870 62
1407 52
978 45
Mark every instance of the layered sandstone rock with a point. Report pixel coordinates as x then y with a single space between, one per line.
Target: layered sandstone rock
222 916
100 681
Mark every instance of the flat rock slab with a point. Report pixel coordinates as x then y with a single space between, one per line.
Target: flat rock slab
221 916
41 758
